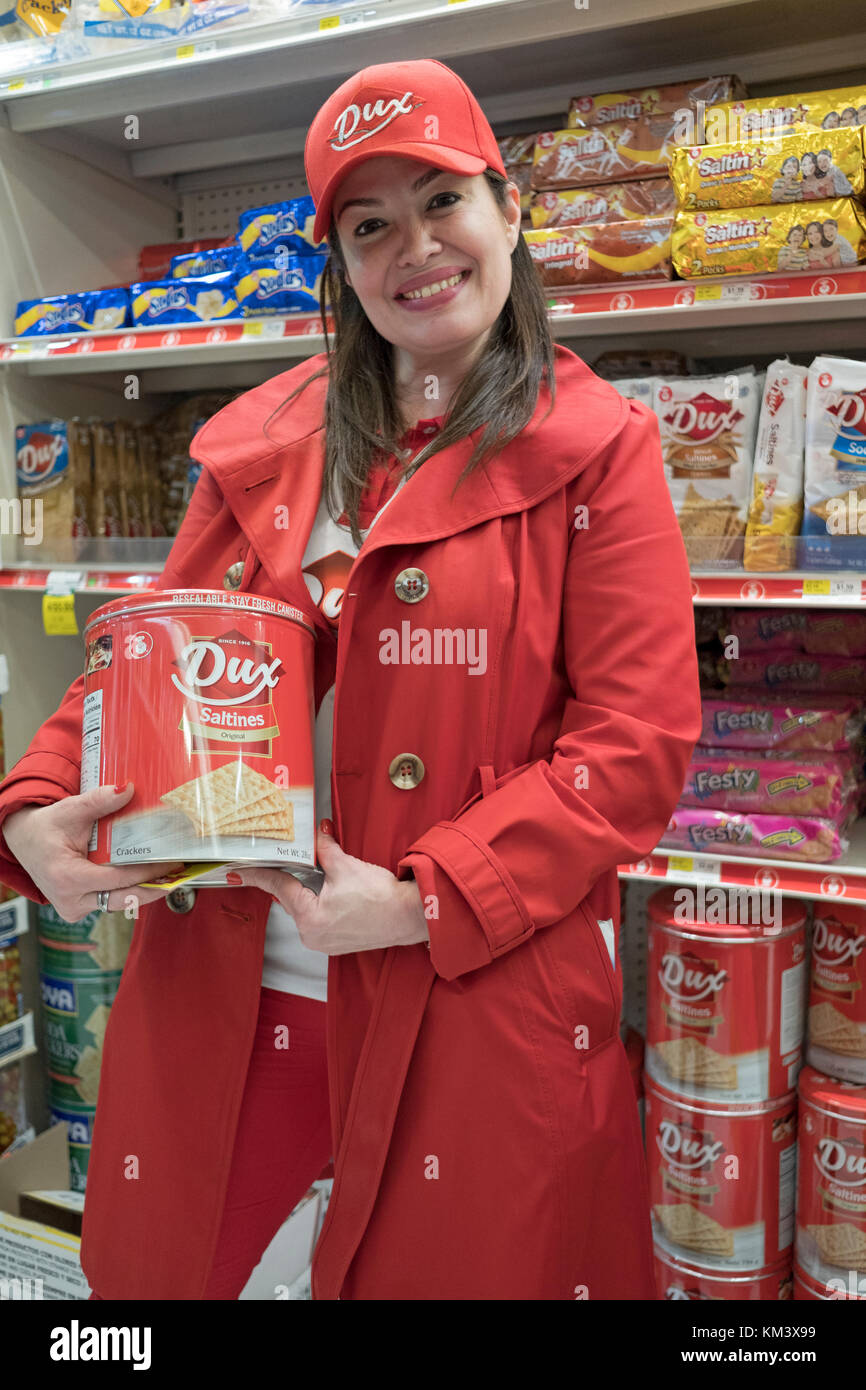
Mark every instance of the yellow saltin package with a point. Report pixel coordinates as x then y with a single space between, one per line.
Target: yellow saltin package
776 507
801 167
764 116
818 236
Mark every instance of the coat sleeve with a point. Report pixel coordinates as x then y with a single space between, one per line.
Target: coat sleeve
51 767
526 855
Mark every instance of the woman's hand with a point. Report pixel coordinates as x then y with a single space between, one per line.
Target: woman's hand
361 906
50 844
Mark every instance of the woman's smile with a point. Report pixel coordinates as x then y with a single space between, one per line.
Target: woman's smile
432 293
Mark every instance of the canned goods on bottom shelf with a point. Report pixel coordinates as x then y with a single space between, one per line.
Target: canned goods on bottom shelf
678 1280
79 1126
75 1011
839 1288
831 1190
100 941
837 993
725 998
722 1179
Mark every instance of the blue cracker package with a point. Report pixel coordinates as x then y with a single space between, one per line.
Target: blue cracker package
285 227
834 521
88 311
194 265
277 288
204 300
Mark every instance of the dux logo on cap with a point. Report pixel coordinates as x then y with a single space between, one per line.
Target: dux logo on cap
361 120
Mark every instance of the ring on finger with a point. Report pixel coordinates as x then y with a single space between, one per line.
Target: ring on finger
102 900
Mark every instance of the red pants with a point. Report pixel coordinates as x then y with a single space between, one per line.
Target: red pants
283 1140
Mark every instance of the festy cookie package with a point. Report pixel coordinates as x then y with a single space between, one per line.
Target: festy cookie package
834 520
204 700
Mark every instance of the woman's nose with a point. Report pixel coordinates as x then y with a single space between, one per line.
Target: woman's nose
417 241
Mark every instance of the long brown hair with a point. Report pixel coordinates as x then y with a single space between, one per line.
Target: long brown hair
362 420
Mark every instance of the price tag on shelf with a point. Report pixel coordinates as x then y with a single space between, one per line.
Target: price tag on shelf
63 581
694 870
58 615
330 21
706 292
832 588
195 50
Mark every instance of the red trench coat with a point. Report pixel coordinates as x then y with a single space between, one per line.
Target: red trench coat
485 1131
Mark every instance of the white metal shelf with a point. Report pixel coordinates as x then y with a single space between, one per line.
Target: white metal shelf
524 59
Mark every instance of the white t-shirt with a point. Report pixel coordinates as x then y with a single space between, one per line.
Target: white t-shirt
288 964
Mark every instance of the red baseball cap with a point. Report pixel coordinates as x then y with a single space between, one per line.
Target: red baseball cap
420 109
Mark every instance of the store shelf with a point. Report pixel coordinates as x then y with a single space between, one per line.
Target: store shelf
92 581
522 58
846 878
803 588
677 307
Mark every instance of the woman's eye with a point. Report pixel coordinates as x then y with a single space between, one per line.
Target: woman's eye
364 228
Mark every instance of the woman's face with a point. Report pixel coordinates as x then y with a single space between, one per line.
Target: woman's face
813 231
808 165
419 226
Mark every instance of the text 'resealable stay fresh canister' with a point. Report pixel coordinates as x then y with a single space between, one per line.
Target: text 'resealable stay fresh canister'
204 700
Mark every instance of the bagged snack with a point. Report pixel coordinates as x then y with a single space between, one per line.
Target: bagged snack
601 252
762 117
53 480
610 202
517 149
148 462
609 153
822 236
212 297
707 427
794 168
806 785
129 481
107 509
763 836
776 508
652 101
196 265
756 719
758 631
637 362
286 227
794 670
154 262
834 522
269 288
636 389
840 633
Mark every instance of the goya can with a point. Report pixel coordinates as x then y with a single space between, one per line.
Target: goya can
837 993
99 941
678 1280
79 1130
722 1179
75 1012
725 997
831 1187
204 700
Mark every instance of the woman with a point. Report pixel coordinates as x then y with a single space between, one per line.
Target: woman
794 254
813 185
820 251
484 1127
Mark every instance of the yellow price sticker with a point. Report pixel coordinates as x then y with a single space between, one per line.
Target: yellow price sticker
186 50
704 292
252 328
329 22
58 615
816 586
680 866
15 86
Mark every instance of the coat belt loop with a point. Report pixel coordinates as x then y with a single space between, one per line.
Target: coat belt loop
488 778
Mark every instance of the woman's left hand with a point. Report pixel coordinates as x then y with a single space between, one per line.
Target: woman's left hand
361 906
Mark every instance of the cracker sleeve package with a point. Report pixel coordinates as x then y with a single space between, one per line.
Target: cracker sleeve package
193 265
608 202
636 389
53 473
834 520
742 718
772 836
192 300
107 506
652 101
765 117
805 784
794 168
707 430
601 252
285 227
274 288
776 506
609 153
821 236
89 311
789 669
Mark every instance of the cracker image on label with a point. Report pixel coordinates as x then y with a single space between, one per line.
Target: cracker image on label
231 796
843 1245
834 1030
685 1225
687 1059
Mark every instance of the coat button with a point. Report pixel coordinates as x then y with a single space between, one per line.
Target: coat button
406 770
411 585
181 899
233 575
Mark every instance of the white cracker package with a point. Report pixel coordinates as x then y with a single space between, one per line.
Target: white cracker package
776 507
707 427
636 388
834 521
